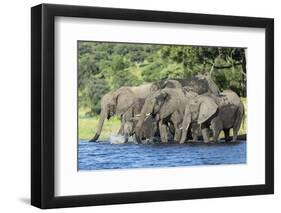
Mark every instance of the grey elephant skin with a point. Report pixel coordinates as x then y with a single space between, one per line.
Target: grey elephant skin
117 102
199 84
166 105
148 131
220 113
129 121
131 114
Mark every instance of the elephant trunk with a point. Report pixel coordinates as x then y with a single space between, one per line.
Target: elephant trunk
99 127
138 135
139 124
95 138
184 134
146 111
126 138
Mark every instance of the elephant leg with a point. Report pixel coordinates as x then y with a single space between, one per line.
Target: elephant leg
176 119
126 138
195 128
171 129
216 127
171 132
235 132
194 137
177 136
237 124
226 135
205 134
95 138
216 135
163 129
137 139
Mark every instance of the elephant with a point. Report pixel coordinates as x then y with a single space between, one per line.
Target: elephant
220 113
129 120
134 110
166 106
199 84
149 129
118 102
169 83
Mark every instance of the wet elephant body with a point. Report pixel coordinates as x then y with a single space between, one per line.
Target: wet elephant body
129 120
218 112
117 102
166 106
170 109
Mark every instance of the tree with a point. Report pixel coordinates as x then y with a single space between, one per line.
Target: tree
120 74
221 63
91 95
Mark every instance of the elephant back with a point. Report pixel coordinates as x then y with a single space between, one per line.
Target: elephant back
141 91
125 97
200 84
228 97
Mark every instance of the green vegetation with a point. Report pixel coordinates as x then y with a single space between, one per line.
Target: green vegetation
87 125
106 66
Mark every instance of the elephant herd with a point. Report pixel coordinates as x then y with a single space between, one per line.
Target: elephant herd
173 110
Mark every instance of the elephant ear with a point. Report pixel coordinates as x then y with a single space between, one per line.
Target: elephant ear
208 108
164 95
115 97
123 99
163 106
163 98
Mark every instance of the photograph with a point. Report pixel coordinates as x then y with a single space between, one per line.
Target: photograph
160 105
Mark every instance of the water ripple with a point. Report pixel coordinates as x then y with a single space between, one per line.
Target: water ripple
104 155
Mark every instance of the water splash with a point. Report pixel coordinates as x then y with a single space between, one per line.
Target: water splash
116 139
120 139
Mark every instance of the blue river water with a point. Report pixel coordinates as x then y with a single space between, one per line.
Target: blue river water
104 155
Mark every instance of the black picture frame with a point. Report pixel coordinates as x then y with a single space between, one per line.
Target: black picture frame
43 102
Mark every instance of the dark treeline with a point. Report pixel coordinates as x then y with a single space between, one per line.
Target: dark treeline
106 66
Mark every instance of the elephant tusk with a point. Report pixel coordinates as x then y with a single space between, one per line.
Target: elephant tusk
148 114
138 115
181 128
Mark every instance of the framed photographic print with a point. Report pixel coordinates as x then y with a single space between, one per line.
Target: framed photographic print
139 106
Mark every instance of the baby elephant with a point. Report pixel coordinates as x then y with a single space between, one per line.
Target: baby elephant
221 112
147 131
130 119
